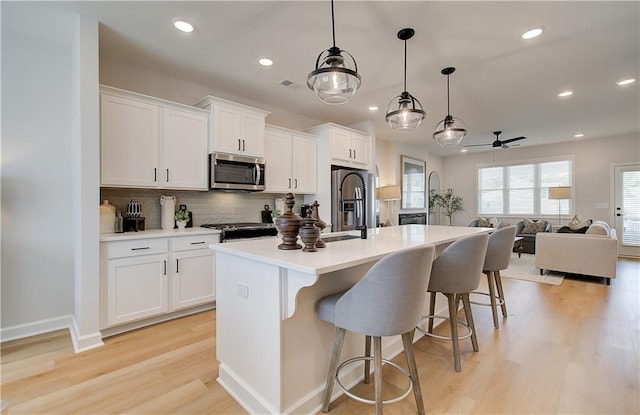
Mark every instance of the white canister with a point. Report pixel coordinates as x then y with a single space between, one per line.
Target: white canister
167 211
107 217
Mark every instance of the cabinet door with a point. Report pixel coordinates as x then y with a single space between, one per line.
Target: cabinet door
304 165
193 278
226 130
252 135
341 146
360 149
128 142
136 288
278 156
185 150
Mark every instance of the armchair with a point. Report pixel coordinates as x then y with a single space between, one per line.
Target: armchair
528 229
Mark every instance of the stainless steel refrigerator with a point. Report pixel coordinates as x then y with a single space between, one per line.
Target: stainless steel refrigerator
352 195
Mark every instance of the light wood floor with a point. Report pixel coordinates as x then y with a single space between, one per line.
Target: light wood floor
572 348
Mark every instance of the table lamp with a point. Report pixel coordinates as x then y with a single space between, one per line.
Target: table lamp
389 194
559 193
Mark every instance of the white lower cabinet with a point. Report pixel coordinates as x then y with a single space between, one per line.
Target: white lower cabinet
136 288
146 278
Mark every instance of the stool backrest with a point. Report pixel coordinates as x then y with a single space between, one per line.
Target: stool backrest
389 299
458 268
499 249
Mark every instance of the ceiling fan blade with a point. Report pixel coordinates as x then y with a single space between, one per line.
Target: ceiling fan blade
513 139
476 145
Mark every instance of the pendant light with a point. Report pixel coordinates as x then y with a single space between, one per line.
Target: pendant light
335 79
405 112
450 131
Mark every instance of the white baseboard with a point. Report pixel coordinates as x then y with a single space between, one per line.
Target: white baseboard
80 343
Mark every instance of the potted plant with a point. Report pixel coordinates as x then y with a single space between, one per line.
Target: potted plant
448 201
181 217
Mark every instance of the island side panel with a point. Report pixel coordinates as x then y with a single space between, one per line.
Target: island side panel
248 332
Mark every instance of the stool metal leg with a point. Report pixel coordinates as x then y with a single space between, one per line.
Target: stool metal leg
377 372
501 292
492 298
338 341
466 304
453 311
432 307
407 340
367 362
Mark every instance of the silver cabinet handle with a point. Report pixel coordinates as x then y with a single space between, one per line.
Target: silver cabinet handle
197 243
167 175
349 153
238 144
141 248
289 183
164 267
243 145
177 266
155 174
296 183
354 154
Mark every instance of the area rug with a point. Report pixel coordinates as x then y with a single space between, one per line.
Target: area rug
524 269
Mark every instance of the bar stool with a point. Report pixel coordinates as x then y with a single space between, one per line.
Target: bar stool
496 260
387 301
455 273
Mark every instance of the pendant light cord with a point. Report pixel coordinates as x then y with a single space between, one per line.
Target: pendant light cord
333 25
405 66
448 110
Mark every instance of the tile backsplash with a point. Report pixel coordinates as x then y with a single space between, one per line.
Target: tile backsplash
207 207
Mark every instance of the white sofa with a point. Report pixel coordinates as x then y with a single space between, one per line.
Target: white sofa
593 254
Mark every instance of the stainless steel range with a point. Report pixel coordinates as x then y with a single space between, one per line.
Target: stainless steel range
243 230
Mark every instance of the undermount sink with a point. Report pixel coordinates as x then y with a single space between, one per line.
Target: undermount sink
339 238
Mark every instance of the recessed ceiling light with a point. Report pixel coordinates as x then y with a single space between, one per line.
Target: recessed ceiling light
578 135
565 94
530 34
182 25
373 108
626 82
265 61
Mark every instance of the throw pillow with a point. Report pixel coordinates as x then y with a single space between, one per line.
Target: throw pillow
567 229
483 222
494 223
533 226
580 224
598 228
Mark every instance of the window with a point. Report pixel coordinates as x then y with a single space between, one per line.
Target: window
522 189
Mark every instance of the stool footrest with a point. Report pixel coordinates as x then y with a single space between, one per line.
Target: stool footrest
369 401
439 337
499 300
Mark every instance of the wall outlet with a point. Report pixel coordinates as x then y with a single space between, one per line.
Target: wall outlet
242 289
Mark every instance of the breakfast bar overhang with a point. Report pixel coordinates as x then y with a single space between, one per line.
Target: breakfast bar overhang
273 351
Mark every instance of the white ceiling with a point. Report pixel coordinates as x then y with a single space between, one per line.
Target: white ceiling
501 83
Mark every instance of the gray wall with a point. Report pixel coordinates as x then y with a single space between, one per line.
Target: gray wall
592 172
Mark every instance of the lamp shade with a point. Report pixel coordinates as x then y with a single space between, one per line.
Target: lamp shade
560 192
390 193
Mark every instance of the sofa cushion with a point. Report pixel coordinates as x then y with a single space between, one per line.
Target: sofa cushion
575 223
533 226
483 222
599 227
568 229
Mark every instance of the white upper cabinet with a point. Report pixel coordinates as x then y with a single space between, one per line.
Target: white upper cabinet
234 128
291 161
348 147
151 143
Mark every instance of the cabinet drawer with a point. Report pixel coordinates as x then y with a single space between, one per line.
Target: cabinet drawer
187 243
136 247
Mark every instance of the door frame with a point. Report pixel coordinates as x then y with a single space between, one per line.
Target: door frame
612 204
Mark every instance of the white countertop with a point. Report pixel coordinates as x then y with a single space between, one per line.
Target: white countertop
343 254
156 233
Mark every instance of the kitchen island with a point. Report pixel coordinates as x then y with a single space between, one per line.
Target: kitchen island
273 351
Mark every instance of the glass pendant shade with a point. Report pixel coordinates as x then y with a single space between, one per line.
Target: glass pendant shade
449 132
404 112
335 79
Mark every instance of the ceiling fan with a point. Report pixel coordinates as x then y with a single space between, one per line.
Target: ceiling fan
499 143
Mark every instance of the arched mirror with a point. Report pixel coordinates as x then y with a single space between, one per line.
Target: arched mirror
434 185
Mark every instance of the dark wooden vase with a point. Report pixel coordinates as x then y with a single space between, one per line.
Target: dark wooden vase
320 224
309 233
288 224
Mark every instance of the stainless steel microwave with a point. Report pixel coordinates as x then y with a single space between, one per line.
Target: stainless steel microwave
232 172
